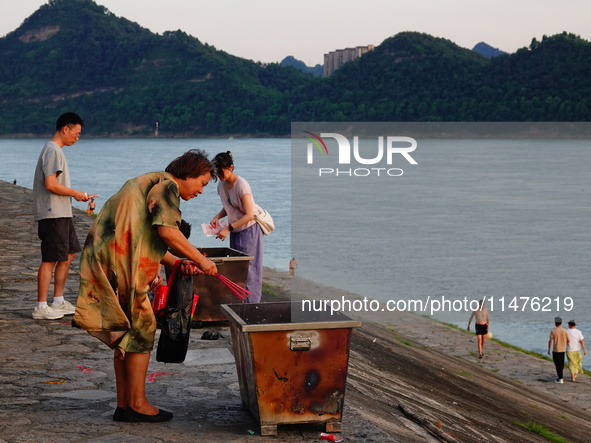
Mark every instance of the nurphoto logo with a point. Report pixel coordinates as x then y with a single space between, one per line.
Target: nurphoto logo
388 148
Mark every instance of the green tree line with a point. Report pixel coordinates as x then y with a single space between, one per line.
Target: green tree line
76 55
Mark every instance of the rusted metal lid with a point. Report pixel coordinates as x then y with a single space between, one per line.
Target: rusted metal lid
283 316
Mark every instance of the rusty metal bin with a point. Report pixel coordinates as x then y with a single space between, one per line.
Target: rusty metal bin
292 365
212 293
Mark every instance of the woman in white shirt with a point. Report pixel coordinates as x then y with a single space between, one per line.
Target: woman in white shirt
245 233
573 350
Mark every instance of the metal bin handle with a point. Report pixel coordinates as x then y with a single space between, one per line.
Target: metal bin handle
300 343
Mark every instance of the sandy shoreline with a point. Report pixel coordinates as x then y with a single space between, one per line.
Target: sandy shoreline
427 367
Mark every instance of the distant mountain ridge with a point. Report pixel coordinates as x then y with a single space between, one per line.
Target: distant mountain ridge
487 50
75 54
122 78
317 70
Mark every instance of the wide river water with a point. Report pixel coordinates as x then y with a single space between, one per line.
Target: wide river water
474 218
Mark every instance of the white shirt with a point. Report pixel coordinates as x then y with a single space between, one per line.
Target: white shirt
575 337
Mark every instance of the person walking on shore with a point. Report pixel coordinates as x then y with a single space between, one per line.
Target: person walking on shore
573 350
52 198
91 207
293 264
558 341
481 324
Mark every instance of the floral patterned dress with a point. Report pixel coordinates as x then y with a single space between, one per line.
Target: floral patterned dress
121 257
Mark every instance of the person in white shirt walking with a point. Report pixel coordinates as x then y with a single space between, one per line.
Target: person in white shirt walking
573 350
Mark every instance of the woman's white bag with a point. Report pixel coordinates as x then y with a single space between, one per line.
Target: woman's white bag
265 221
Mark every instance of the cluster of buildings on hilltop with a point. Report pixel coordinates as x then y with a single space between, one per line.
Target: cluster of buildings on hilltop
335 59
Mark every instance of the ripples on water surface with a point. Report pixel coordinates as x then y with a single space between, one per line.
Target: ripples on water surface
474 218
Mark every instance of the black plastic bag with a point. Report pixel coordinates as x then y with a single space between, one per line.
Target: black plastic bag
175 320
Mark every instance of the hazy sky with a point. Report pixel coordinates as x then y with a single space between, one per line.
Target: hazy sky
269 30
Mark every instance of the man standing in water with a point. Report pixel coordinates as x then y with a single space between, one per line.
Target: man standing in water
480 316
52 198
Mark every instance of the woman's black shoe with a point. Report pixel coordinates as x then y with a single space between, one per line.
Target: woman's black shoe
129 415
118 415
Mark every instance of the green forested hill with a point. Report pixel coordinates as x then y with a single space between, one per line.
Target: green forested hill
409 77
416 77
76 55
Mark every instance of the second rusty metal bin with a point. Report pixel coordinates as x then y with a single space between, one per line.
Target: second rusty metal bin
292 365
212 293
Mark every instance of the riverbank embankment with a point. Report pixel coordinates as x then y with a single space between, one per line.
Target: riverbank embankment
57 382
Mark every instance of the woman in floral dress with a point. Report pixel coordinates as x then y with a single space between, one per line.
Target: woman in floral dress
125 247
